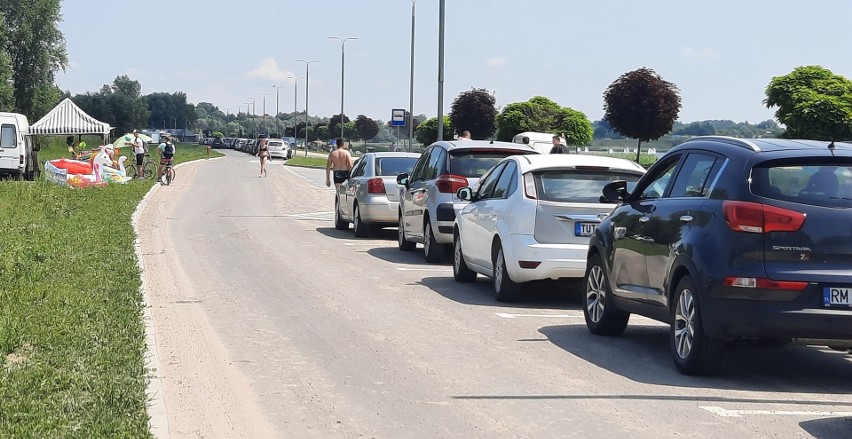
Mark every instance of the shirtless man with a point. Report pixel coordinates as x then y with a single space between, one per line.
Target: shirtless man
340 162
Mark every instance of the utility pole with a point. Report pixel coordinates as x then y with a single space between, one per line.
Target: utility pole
441 70
411 83
342 74
307 89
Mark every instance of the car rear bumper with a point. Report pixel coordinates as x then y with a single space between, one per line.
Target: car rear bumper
380 211
445 217
729 318
555 260
282 154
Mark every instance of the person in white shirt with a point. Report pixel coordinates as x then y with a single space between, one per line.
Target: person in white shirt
139 150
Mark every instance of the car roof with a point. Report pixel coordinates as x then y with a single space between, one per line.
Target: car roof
451 145
769 144
380 155
536 162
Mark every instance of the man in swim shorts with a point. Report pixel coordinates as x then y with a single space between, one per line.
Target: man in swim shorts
340 163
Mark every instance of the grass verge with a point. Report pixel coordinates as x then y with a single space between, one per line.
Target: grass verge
312 162
71 332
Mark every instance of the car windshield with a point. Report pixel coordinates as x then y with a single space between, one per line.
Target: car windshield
474 163
818 184
578 186
393 166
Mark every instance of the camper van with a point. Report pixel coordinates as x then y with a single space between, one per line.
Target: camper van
16 147
541 142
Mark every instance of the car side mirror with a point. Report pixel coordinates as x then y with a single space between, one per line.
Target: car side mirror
614 192
465 194
402 180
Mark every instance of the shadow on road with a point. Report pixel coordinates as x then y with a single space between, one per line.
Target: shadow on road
828 428
642 354
395 256
542 295
331 232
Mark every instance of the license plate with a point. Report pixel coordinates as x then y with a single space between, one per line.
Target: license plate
585 229
836 296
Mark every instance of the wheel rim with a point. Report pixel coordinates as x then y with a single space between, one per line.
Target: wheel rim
357 219
457 255
428 239
401 232
684 323
596 294
498 271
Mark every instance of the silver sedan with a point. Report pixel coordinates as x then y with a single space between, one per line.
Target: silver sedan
370 197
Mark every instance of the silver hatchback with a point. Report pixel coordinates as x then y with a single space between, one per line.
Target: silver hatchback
370 197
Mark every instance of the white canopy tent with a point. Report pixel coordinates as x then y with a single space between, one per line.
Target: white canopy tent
67 119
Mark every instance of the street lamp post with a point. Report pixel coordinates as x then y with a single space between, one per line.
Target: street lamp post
295 100
442 11
411 82
307 89
343 41
277 111
264 111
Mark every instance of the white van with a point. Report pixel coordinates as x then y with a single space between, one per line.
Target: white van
541 142
16 147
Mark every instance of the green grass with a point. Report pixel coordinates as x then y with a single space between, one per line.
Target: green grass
71 332
184 152
313 162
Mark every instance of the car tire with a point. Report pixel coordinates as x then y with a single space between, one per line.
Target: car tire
432 250
505 289
694 352
339 223
599 310
404 244
461 272
358 226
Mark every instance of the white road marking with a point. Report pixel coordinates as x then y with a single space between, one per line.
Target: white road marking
634 320
506 315
442 270
725 413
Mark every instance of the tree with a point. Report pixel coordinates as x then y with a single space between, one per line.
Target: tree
367 128
165 106
538 114
474 110
322 132
334 124
36 49
120 105
641 105
427 132
7 91
575 126
813 103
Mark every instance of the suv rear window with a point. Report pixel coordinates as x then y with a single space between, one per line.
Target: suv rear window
577 186
818 184
393 166
474 163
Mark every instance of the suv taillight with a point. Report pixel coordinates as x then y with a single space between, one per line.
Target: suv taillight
763 283
375 186
743 216
449 183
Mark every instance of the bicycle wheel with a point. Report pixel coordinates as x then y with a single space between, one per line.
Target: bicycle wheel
149 169
168 176
130 171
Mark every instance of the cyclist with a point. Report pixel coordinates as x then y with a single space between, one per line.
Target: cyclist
166 152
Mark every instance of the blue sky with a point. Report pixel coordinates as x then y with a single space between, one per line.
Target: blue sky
721 54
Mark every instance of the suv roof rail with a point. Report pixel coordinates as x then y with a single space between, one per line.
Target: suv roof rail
732 140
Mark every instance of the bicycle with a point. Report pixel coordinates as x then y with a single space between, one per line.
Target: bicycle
149 167
168 172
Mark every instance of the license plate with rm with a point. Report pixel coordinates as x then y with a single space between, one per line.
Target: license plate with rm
585 229
837 296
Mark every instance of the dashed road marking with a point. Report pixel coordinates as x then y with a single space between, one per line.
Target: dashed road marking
726 413
578 315
442 270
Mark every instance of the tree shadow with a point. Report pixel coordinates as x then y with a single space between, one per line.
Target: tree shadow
542 295
642 354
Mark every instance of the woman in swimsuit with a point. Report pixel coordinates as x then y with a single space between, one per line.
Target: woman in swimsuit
263 153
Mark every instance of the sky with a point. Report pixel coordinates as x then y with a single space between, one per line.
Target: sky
720 54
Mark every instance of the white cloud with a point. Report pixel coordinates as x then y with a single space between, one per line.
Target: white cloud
268 69
496 62
691 52
74 65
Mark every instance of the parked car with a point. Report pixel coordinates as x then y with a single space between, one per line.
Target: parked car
727 238
429 203
370 197
217 143
16 147
278 148
250 147
530 218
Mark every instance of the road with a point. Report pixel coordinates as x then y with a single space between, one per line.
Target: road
270 323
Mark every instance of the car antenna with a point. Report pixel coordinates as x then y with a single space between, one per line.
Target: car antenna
492 141
831 145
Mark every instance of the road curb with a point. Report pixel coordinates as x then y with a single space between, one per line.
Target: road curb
304 166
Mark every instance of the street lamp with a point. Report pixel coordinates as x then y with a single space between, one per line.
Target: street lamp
342 71
442 10
277 111
307 89
411 82
264 111
295 100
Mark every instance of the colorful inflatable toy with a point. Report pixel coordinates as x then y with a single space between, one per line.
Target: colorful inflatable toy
76 173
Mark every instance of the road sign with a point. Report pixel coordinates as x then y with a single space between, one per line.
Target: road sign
397 117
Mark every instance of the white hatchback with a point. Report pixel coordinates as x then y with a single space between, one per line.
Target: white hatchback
530 218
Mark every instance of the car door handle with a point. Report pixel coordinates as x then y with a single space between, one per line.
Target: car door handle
686 218
644 219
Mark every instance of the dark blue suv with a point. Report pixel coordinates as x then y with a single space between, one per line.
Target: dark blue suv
729 238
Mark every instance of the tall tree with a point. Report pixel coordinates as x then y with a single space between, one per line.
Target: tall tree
36 48
7 90
474 110
641 105
427 132
120 105
813 103
539 114
334 125
367 128
166 106
575 126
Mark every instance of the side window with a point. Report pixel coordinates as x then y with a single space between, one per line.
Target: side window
358 169
694 177
417 173
654 185
506 184
8 136
434 165
486 185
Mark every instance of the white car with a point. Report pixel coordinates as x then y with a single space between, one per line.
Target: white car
530 218
278 148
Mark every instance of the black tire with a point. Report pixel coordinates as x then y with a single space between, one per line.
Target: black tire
130 171
461 272
694 352
339 223
149 169
505 289
601 314
358 226
404 245
433 251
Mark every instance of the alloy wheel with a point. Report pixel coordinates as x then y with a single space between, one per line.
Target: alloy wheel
498 271
596 294
684 323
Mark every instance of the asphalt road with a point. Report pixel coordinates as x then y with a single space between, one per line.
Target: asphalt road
274 324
